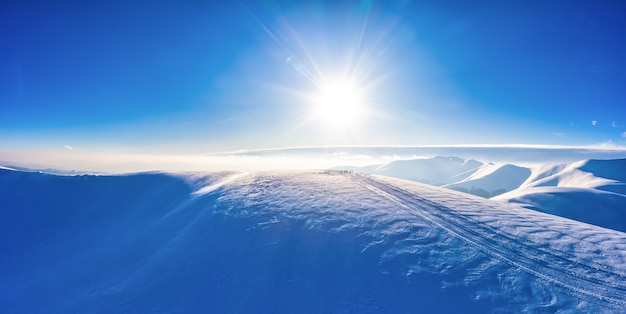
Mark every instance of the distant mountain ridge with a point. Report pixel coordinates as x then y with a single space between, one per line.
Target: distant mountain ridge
493 179
439 170
591 191
575 190
453 172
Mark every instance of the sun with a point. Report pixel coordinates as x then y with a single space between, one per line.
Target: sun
339 103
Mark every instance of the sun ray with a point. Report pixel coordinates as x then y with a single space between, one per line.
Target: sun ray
338 74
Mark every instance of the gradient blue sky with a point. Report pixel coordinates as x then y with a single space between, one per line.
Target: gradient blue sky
202 76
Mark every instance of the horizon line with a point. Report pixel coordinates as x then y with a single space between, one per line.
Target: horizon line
597 147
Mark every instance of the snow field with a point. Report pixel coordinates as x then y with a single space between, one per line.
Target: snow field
305 241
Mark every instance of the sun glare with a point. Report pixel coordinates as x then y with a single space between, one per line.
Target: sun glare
338 103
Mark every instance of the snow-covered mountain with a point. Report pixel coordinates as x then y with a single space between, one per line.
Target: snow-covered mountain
437 170
493 179
285 242
470 176
606 175
601 208
593 191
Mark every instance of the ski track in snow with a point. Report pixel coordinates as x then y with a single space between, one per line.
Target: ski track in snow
221 240
581 278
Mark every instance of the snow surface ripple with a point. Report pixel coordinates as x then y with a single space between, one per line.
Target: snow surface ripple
582 278
285 242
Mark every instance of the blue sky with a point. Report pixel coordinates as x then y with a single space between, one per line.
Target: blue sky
193 77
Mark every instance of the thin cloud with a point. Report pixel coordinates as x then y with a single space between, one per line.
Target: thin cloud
68 147
594 122
615 125
624 134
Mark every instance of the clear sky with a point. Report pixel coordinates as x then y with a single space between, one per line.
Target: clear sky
203 76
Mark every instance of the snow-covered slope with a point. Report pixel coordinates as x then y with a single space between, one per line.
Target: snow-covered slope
592 191
605 209
470 176
576 190
436 171
493 179
606 175
287 242
613 170
569 175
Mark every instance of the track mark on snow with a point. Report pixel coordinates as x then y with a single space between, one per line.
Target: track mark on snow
578 279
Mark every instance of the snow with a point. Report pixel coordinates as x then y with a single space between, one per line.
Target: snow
613 170
567 175
608 175
601 208
591 191
292 241
492 177
470 176
436 170
460 174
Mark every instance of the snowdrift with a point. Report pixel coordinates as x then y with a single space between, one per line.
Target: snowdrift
286 242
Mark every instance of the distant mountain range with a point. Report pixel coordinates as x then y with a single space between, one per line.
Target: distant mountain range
592 191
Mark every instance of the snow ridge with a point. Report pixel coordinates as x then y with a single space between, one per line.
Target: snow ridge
592 191
283 241
590 280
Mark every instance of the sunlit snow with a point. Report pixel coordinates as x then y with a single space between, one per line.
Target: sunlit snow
292 241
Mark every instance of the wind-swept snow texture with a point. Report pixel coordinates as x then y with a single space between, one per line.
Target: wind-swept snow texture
492 178
437 170
605 209
592 191
291 242
469 176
